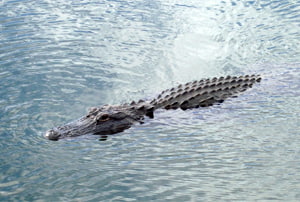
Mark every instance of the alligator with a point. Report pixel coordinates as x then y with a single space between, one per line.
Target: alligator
111 119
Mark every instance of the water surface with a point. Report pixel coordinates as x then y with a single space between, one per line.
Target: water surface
58 58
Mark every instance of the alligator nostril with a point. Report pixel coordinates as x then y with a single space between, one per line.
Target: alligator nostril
52 135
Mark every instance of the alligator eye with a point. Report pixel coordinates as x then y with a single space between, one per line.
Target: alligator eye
104 117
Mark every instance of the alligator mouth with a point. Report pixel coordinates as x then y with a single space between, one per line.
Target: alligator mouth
78 127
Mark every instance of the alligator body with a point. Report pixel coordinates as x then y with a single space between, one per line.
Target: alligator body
111 119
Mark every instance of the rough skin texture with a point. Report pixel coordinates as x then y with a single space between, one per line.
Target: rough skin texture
111 119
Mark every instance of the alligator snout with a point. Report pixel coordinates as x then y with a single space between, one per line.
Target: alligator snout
52 135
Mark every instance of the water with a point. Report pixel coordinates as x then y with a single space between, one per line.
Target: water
57 58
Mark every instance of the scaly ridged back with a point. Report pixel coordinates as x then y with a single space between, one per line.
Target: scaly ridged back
203 93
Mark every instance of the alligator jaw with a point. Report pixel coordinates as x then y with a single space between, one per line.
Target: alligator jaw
76 128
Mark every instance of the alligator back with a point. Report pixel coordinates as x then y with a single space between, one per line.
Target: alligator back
203 93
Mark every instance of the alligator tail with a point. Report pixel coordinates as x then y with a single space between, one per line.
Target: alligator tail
204 93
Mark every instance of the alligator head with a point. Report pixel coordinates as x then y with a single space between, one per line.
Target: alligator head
103 120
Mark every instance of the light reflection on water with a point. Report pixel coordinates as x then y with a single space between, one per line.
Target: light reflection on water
58 58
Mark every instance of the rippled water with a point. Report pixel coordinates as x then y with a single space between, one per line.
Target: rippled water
57 58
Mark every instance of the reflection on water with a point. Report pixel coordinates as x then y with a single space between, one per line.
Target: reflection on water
58 58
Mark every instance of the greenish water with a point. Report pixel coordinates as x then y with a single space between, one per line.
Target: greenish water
58 58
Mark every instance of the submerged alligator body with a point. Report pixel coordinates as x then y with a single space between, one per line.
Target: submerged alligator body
111 119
